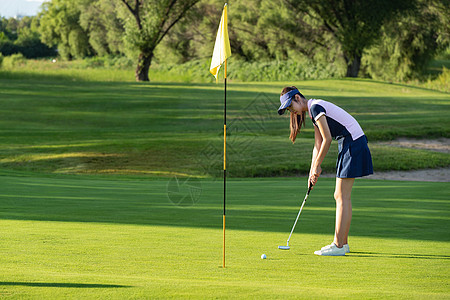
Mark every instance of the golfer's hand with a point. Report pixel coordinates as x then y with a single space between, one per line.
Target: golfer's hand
314 176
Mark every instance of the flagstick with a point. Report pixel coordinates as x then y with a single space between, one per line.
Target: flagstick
224 158
220 54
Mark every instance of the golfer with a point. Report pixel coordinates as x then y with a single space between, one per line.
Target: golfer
354 159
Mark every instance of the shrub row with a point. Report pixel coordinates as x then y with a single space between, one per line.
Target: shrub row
248 71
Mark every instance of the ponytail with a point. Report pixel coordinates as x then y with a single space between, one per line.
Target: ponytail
296 120
296 125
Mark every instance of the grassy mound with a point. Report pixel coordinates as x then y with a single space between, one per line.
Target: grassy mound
59 126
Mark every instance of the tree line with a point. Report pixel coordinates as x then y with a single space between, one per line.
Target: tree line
384 38
21 36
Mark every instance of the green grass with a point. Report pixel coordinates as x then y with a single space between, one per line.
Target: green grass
86 237
54 125
68 229
77 70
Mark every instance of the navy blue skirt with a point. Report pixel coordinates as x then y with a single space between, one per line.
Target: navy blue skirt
354 159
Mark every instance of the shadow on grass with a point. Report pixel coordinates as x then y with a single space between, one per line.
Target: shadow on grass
63 285
395 255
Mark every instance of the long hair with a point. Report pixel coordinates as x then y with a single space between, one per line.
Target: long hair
296 120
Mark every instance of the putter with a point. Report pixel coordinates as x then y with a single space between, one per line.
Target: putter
287 247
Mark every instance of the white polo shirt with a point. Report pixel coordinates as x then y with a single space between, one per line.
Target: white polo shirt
340 122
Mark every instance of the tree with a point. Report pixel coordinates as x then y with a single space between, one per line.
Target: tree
354 24
59 26
409 43
152 21
193 37
99 18
21 36
29 42
249 31
269 29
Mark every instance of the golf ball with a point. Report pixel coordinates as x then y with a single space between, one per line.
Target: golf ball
263 256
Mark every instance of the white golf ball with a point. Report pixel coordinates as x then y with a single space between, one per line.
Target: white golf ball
263 256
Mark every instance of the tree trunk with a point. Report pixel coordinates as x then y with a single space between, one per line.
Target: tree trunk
353 65
143 66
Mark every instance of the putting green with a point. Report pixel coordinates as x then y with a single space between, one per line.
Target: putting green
75 237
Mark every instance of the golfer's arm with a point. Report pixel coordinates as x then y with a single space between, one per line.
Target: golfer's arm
325 134
317 144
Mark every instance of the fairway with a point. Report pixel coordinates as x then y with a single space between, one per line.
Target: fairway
160 129
78 236
88 186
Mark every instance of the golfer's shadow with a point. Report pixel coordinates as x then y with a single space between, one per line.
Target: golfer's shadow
394 255
62 285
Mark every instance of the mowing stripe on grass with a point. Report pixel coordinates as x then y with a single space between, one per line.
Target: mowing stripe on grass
74 237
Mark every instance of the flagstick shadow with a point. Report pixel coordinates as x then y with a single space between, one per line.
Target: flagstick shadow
62 285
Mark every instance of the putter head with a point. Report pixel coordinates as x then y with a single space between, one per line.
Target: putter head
284 247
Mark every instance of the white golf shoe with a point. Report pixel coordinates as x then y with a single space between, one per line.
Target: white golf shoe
346 247
331 250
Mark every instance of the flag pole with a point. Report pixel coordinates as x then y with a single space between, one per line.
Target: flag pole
224 158
221 53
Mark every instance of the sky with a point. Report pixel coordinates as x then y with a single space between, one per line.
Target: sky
12 8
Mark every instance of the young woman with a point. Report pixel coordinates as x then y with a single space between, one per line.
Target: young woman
354 159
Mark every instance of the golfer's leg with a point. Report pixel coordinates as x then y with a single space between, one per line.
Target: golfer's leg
342 195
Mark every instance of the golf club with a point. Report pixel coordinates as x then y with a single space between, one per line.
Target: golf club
287 247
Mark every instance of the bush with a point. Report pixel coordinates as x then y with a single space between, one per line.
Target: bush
1 60
13 61
33 48
94 62
30 47
119 62
288 70
8 48
441 83
238 70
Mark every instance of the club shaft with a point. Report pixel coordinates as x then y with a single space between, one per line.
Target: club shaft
300 211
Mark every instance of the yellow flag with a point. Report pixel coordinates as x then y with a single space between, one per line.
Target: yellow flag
222 46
